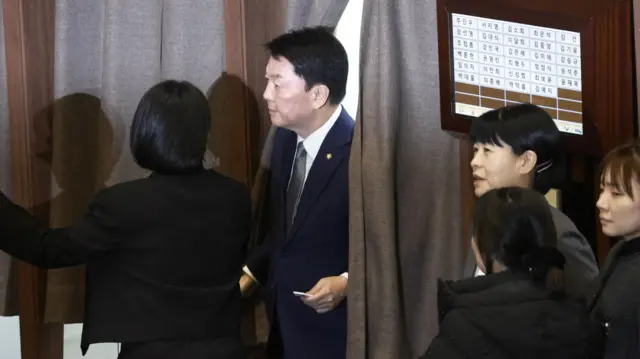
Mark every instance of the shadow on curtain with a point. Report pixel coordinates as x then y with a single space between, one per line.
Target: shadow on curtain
79 153
404 186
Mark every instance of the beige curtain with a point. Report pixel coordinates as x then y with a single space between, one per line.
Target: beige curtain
107 54
8 284
404 186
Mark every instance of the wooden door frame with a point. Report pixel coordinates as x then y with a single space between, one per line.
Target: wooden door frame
249 25
29 28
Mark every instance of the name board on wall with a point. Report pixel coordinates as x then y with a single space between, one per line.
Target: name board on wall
559 55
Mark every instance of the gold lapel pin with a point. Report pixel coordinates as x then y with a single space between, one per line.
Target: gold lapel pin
329 156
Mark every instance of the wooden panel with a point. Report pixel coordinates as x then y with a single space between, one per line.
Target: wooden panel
249 25
578 198
29 40
266 20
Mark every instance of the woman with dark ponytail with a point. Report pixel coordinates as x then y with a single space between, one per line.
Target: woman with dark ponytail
519 309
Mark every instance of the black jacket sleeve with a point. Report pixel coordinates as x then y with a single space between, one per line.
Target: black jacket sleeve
260 259
24 237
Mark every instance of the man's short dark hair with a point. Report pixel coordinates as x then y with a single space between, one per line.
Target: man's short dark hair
170 128
317 57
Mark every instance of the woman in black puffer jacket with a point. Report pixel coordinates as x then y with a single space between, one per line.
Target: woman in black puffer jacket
519 309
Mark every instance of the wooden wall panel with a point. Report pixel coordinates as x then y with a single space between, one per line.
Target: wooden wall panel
29 28
249 25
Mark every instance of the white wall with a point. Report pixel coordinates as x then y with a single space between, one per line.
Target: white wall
10 342
348 32
9 338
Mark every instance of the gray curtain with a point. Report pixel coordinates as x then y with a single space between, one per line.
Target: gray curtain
8 284
302 13
404 186
107 53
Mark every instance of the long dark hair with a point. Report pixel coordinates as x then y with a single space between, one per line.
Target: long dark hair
514 226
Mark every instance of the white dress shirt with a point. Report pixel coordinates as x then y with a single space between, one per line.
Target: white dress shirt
312 145
314 141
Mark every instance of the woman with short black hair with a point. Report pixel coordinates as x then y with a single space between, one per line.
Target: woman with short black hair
163 252
529 132
520 145
161 139
519 309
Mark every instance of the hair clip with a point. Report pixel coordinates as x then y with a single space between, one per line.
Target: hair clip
544 166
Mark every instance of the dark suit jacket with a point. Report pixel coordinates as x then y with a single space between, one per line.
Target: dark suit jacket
162 255
581 268
316 246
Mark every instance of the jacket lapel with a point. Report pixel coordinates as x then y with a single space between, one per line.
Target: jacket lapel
334 150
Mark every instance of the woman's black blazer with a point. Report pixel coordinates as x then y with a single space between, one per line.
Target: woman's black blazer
163 256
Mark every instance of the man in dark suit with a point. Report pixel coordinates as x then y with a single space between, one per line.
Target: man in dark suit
303 262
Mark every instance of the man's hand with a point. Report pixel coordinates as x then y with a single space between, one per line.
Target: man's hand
327 294
246 285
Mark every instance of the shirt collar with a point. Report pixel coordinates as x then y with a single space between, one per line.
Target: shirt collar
313 142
